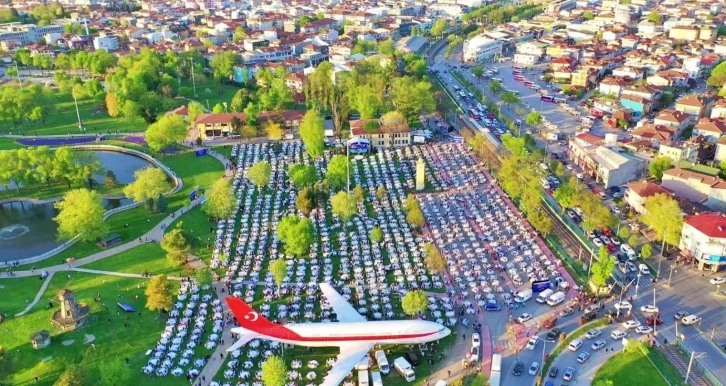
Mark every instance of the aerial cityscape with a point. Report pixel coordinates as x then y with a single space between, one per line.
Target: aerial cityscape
363 193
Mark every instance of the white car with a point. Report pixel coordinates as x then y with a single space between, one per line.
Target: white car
598 344
534 368
643 330
643 269
690 319
532 343
579 176
651 309
524 317
628 324
597 242
473 355
617 334
594 333
475 339
718 280
625 248
624 305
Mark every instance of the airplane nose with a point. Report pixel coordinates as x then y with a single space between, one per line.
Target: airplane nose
446 332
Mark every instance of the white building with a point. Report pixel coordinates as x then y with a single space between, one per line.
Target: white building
108 43
481 47
526 59
638 191
27 33
704 237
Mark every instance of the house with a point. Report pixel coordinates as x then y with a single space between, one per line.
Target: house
696 187
669 78
720 155
650 93
704 238
607 163
380 136
719 109
679 151
711 129
584 77
612 85
221 124
656 134
319 25
675 119
564 63
638 191
640 106
694 104
295 82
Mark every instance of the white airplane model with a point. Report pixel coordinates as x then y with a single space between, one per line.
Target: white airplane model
353 334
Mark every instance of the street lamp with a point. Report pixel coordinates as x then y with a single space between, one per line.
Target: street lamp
637 284
622 291
671 274
690 363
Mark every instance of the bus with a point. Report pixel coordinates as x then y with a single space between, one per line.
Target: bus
547 98
519 78
518 68
528 84
516 72
462 94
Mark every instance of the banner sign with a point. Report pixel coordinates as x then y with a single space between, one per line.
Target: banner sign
541 285
457 139
359 146
201 152
193 195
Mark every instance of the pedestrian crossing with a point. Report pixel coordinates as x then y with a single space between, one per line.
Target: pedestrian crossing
502 345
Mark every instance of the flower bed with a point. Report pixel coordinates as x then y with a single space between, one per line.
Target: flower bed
58 141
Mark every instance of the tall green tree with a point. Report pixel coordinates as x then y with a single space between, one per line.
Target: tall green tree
259 174
222 64
159 294
414 302
435 261
659 165
176 246
376 235
297 234
166 132
114 372
149 182
73 375
304 201
220 200
344 206
204 276
312 133
274 371
337 173
80 213
412 97
601 270
665 217
278 269
302 175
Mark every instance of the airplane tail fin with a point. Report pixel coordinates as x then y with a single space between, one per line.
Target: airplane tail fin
247 317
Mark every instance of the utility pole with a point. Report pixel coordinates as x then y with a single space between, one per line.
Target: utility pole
347 168
690 363
191 69
670 275
78 114
18 71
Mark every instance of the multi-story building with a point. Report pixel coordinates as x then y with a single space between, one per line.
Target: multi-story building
638 191
380 137
607 163
696 187
704 237
221 124
25 34
108 43
481 47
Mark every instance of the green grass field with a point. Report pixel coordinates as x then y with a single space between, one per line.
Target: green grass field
193 171
148 257
8 144
196 224
630 367
16 294
106 324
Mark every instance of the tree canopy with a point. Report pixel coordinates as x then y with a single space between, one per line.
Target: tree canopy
176 246
220 200
659 165
149 183
664 216
312 133
601 270
274 371
344 205
278 269
114 372
159 294
414 302
259 174
435 261
297 234
302 175
166 132
80 213
337 173
73 375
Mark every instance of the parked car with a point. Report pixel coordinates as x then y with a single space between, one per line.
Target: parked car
690 319
617 334
651 309
532 343
518 368
554 334
583 356
594 333
632 323
653 319
524 317
534 368
568 374
475 339
718 280
680 315
644 330
567 311
597 345
624 305
553 372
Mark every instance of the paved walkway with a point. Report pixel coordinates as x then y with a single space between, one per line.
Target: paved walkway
216 361
37 296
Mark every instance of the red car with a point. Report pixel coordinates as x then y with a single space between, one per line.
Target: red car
653 319
611 247
607 232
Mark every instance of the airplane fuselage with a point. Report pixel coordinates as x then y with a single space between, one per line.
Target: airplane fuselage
335 334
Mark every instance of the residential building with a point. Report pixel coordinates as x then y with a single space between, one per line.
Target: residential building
612 86
584 77
639 105
696 187
711 129
608 164
638 191
719 109
679 151
108 43
481 47
674 118
694 104
380 137
656 134
24 34
704 237
720 155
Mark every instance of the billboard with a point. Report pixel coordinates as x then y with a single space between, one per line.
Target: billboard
457 139
541 285
193 195
359 146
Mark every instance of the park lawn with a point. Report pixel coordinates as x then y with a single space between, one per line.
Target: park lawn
112 339
9 144
196 224
17 293
147 256
207 91
630 367
65 121
194 171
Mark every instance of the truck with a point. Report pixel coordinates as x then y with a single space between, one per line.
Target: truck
404 368
496 373
556 298
382 362
523 296
363 378
376 378
542 297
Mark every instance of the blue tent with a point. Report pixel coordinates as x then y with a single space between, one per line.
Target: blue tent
127 307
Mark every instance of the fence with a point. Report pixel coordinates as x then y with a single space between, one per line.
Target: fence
701 368
178 184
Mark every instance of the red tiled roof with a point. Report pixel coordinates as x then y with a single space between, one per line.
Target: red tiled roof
710 224
648 189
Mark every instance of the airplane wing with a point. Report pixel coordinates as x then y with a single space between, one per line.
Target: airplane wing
350 355
244 338
345 312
